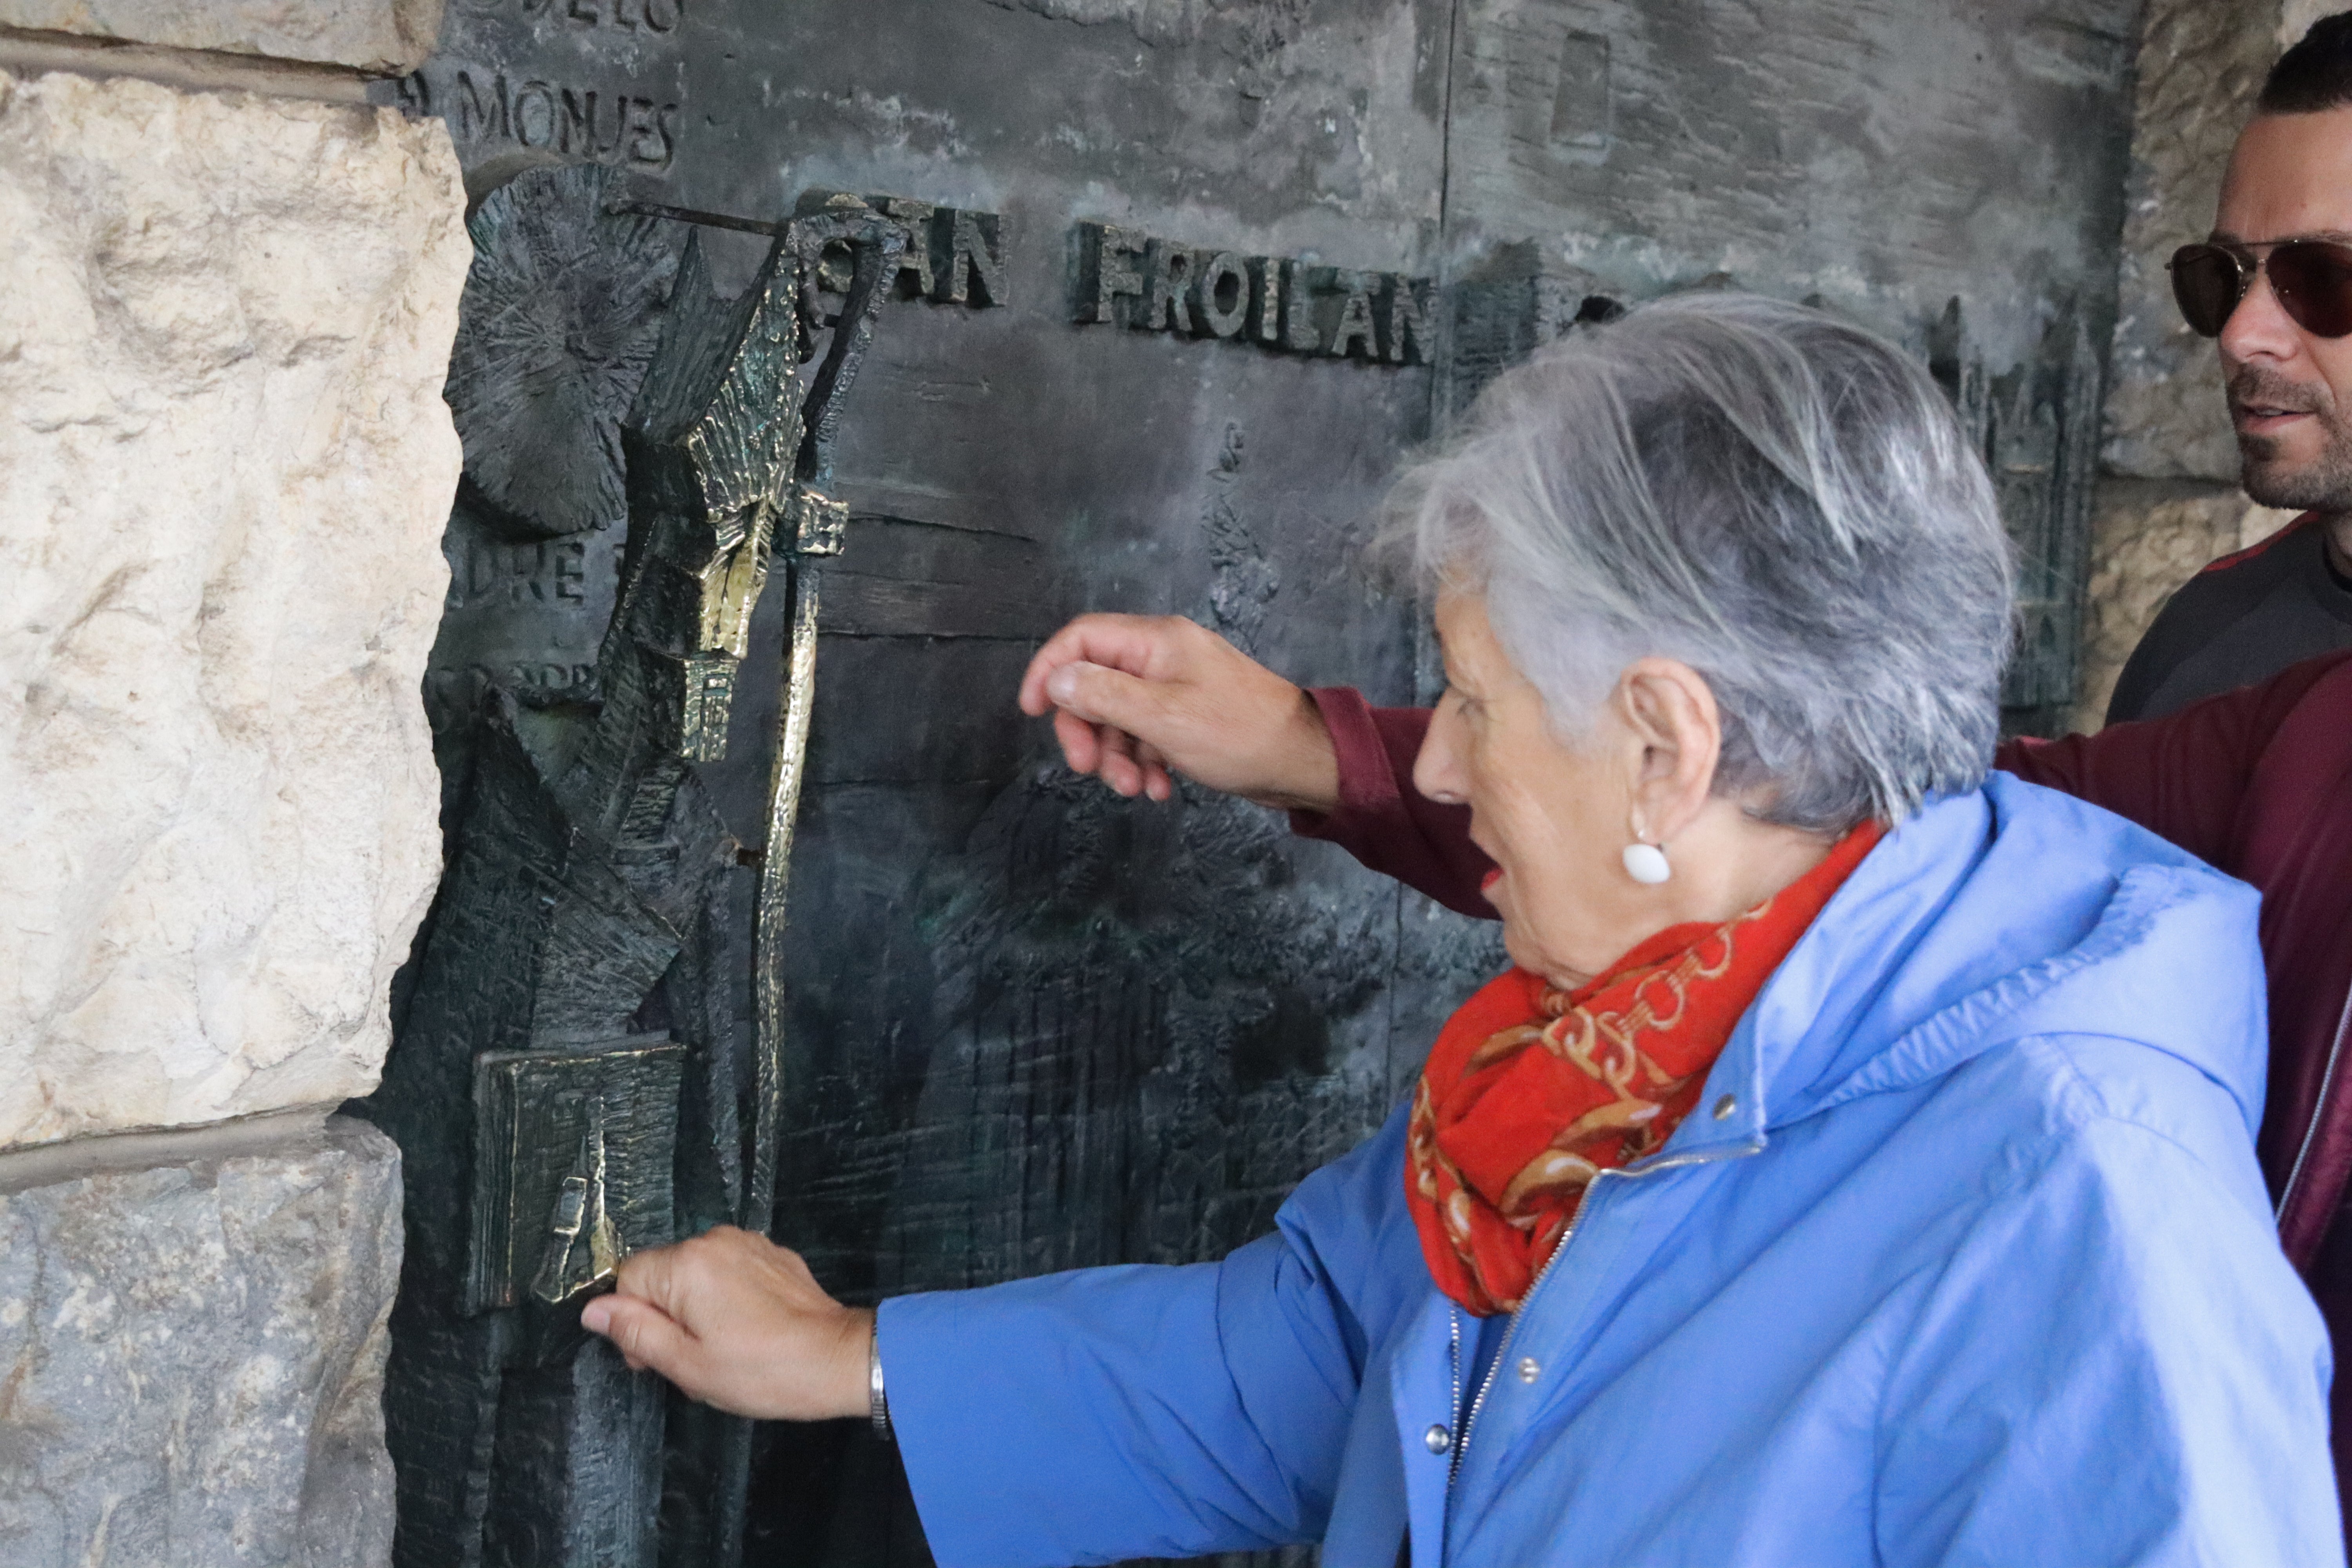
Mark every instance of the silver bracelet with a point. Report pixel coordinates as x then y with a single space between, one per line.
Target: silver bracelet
877 1404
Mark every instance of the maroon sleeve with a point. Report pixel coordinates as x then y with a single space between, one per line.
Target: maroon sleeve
2182 776
1381 819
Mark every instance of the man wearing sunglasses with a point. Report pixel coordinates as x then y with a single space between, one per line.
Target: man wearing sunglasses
2274 287
2255 779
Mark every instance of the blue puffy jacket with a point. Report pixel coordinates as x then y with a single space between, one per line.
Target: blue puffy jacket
1964 1259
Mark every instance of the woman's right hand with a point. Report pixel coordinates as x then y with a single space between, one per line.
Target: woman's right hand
739 1323
1136 698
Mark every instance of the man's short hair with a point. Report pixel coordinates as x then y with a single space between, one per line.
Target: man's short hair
2316 75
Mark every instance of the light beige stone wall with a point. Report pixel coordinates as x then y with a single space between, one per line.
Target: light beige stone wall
2295 17
384 37
2201 63
2168 499
2147 537
225 465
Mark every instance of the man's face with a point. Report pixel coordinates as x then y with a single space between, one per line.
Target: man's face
2290 393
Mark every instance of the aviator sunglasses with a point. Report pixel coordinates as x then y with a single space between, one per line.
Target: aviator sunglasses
2311 277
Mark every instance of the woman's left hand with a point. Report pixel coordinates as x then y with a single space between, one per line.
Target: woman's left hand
739 1323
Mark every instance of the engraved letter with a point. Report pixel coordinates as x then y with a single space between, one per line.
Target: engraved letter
579 121
1167 288
647 145
1221 295
661 16
667 133
1107 256
972 271
1266 300
1411 337
1355 330
528 94
601 150
915 261
1299 334
479 119
481 571
570 571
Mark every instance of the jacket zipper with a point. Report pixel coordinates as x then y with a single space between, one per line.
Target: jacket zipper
1453 1410
1502 1351
2318 1110
1510 1332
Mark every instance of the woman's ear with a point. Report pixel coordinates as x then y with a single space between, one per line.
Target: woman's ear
1678 732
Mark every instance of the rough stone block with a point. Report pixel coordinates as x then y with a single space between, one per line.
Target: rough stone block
191 1357
225 467
2202 64
2147 539
386 36
2295 17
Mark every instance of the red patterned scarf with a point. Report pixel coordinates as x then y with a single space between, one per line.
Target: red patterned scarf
1505 1140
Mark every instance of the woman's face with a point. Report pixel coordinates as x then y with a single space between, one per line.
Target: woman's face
1555 818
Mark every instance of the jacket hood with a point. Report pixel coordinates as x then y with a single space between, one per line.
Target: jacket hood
2008 912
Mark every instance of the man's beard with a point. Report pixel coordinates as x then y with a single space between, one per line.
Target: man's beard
2323 483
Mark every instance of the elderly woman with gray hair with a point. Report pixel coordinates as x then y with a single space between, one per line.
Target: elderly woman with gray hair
1855 1166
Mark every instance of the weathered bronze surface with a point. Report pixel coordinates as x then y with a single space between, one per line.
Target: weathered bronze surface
572 1154
587 898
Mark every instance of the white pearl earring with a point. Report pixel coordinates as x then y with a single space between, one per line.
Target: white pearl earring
1646 864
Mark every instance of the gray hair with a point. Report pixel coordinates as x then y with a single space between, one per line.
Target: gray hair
1782 501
